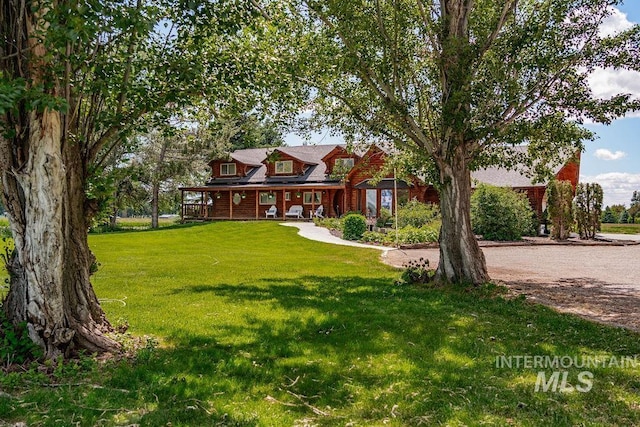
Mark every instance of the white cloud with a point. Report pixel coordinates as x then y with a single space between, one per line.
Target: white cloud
615 23
604 154
607 82
618 187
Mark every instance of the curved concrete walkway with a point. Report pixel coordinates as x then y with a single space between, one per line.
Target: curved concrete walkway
310 231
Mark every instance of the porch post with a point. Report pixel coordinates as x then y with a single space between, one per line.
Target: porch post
181 205
257 204
284 206
230 204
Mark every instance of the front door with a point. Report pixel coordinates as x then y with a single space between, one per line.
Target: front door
338 203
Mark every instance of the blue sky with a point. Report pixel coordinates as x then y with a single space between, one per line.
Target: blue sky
613 159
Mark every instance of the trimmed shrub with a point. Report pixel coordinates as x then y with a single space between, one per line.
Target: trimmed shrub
560 205
499 213
353 226
417 214
588 208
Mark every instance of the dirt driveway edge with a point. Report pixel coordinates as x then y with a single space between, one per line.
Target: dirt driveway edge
600 282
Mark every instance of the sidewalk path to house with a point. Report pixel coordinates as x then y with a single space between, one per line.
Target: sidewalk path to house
310 231
600 282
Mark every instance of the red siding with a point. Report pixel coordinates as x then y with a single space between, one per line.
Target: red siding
570 171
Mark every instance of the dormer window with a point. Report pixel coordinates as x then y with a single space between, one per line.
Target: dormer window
228 169
284 167
344 164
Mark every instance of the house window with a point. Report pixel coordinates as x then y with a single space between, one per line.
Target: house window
309 198
268 198
284 166
287 196
386 200
344 164
372 203
227 169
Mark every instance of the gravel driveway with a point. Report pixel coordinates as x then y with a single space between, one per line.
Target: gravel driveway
601 282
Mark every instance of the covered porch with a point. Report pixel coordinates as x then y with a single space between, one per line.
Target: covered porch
253 202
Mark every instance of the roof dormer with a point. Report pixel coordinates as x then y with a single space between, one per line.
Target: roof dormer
229 168
282 164
339 161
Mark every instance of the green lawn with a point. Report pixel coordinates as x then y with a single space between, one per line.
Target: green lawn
259 327
621 228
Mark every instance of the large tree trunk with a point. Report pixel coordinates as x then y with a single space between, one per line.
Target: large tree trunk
50 267
461 259
43 175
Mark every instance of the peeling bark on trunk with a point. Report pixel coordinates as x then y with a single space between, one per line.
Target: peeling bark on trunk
43 175
461 259
49 271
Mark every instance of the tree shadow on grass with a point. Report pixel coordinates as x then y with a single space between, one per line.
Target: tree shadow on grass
334 349
316 350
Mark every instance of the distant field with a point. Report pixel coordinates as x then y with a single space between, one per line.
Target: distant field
621 228
125 223
145 222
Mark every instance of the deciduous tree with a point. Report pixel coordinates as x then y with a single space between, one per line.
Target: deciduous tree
460 83
75 78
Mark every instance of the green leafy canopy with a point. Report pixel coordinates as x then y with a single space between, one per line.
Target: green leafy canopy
511 73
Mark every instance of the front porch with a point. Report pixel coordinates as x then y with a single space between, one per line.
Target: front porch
245 203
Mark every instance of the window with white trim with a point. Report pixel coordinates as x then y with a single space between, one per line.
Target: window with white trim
267 198
309 196
344 163
284 166
227 169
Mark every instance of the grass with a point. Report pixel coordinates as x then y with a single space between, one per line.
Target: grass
259 327
621 228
